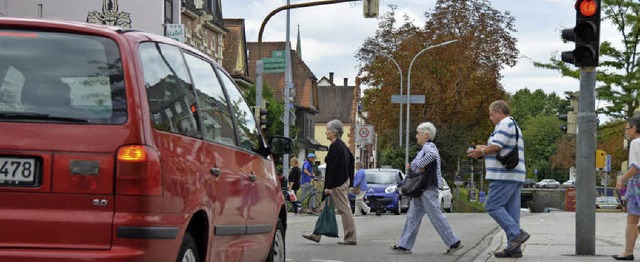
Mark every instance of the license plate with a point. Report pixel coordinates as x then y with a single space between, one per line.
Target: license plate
16 171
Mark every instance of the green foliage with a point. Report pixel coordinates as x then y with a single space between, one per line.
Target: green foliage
618 75
540 136
526 104
393 156
462 204
275 110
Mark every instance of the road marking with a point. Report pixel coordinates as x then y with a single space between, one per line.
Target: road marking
322 260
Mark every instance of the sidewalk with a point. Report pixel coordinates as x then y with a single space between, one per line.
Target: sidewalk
553 238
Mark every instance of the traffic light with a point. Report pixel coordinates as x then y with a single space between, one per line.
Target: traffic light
600 159
263 115
563 127
370 8
586 34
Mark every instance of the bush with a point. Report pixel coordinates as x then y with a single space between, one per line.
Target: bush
461 202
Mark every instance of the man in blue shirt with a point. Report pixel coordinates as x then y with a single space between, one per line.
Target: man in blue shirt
360 189
503 202
306 185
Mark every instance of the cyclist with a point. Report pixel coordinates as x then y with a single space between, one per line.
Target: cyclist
306 185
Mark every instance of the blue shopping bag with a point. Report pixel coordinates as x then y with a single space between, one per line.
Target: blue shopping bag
327 224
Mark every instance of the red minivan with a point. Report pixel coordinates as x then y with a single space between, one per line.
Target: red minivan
119 145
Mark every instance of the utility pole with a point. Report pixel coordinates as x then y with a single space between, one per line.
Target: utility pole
288 84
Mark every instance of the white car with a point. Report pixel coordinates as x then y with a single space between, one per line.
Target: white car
548 183
445 196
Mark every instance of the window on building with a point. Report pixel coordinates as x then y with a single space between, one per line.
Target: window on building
168 11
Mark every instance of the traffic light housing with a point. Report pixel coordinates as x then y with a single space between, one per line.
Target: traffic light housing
264 111
563 127
370 8
600 159
586 35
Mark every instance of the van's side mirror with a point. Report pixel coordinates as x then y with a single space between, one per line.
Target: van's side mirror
281 145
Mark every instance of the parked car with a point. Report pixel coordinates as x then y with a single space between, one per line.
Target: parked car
529 183
119 145
607 202
548 183
383 185
445 197
569 183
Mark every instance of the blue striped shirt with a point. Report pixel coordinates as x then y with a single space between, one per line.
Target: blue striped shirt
504 136
425 156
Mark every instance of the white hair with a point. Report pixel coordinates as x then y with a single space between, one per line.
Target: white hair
336 126
429 128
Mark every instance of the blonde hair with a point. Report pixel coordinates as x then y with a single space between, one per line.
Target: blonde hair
294 160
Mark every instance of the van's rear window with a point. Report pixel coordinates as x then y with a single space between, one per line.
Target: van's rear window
60 77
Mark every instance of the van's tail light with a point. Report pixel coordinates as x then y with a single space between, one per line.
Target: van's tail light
138 171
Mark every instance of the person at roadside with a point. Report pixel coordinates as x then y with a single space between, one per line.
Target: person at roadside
338 181
428 158
294 181
503 201
306 183
360 189
632 181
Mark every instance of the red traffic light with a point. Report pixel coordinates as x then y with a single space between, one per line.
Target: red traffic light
587 8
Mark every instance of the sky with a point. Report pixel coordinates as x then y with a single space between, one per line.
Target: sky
332 34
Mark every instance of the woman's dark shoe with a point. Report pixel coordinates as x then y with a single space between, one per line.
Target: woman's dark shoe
505 253
400 250
616 257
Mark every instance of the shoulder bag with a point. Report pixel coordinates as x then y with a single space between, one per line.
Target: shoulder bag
511 159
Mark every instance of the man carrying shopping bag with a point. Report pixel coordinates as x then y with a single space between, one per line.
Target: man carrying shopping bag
339 178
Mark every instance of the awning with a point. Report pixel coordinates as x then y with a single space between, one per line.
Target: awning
310 143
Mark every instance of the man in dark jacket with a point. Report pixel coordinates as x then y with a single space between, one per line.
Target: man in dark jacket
338 181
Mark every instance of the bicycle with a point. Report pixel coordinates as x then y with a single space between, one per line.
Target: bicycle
318 186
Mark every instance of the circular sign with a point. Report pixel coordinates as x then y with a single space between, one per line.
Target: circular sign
363 132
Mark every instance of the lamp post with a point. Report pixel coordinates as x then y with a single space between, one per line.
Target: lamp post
399 72
406 141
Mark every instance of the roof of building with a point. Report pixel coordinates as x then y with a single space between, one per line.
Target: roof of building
234 54
335 102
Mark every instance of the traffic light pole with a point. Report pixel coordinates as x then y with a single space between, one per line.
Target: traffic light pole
585 158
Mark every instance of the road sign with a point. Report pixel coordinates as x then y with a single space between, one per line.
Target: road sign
607 163
402 99
292 118
275 63
364 134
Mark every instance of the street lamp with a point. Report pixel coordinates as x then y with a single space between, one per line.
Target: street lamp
400 72
406 141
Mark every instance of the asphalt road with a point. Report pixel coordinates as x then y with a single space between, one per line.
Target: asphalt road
377 233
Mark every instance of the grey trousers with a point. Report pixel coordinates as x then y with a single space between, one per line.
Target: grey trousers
426 204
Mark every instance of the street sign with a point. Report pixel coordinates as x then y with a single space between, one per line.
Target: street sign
607 163
402 99
292 118
275 63
364 134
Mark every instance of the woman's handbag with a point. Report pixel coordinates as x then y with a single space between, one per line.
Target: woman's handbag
414 184
327 224
292 196
511 159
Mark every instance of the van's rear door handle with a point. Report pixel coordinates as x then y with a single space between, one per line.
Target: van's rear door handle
215 171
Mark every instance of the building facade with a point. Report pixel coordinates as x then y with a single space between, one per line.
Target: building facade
200 21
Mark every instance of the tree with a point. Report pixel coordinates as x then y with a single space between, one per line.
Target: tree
618 75
526 104
540 135
456 79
